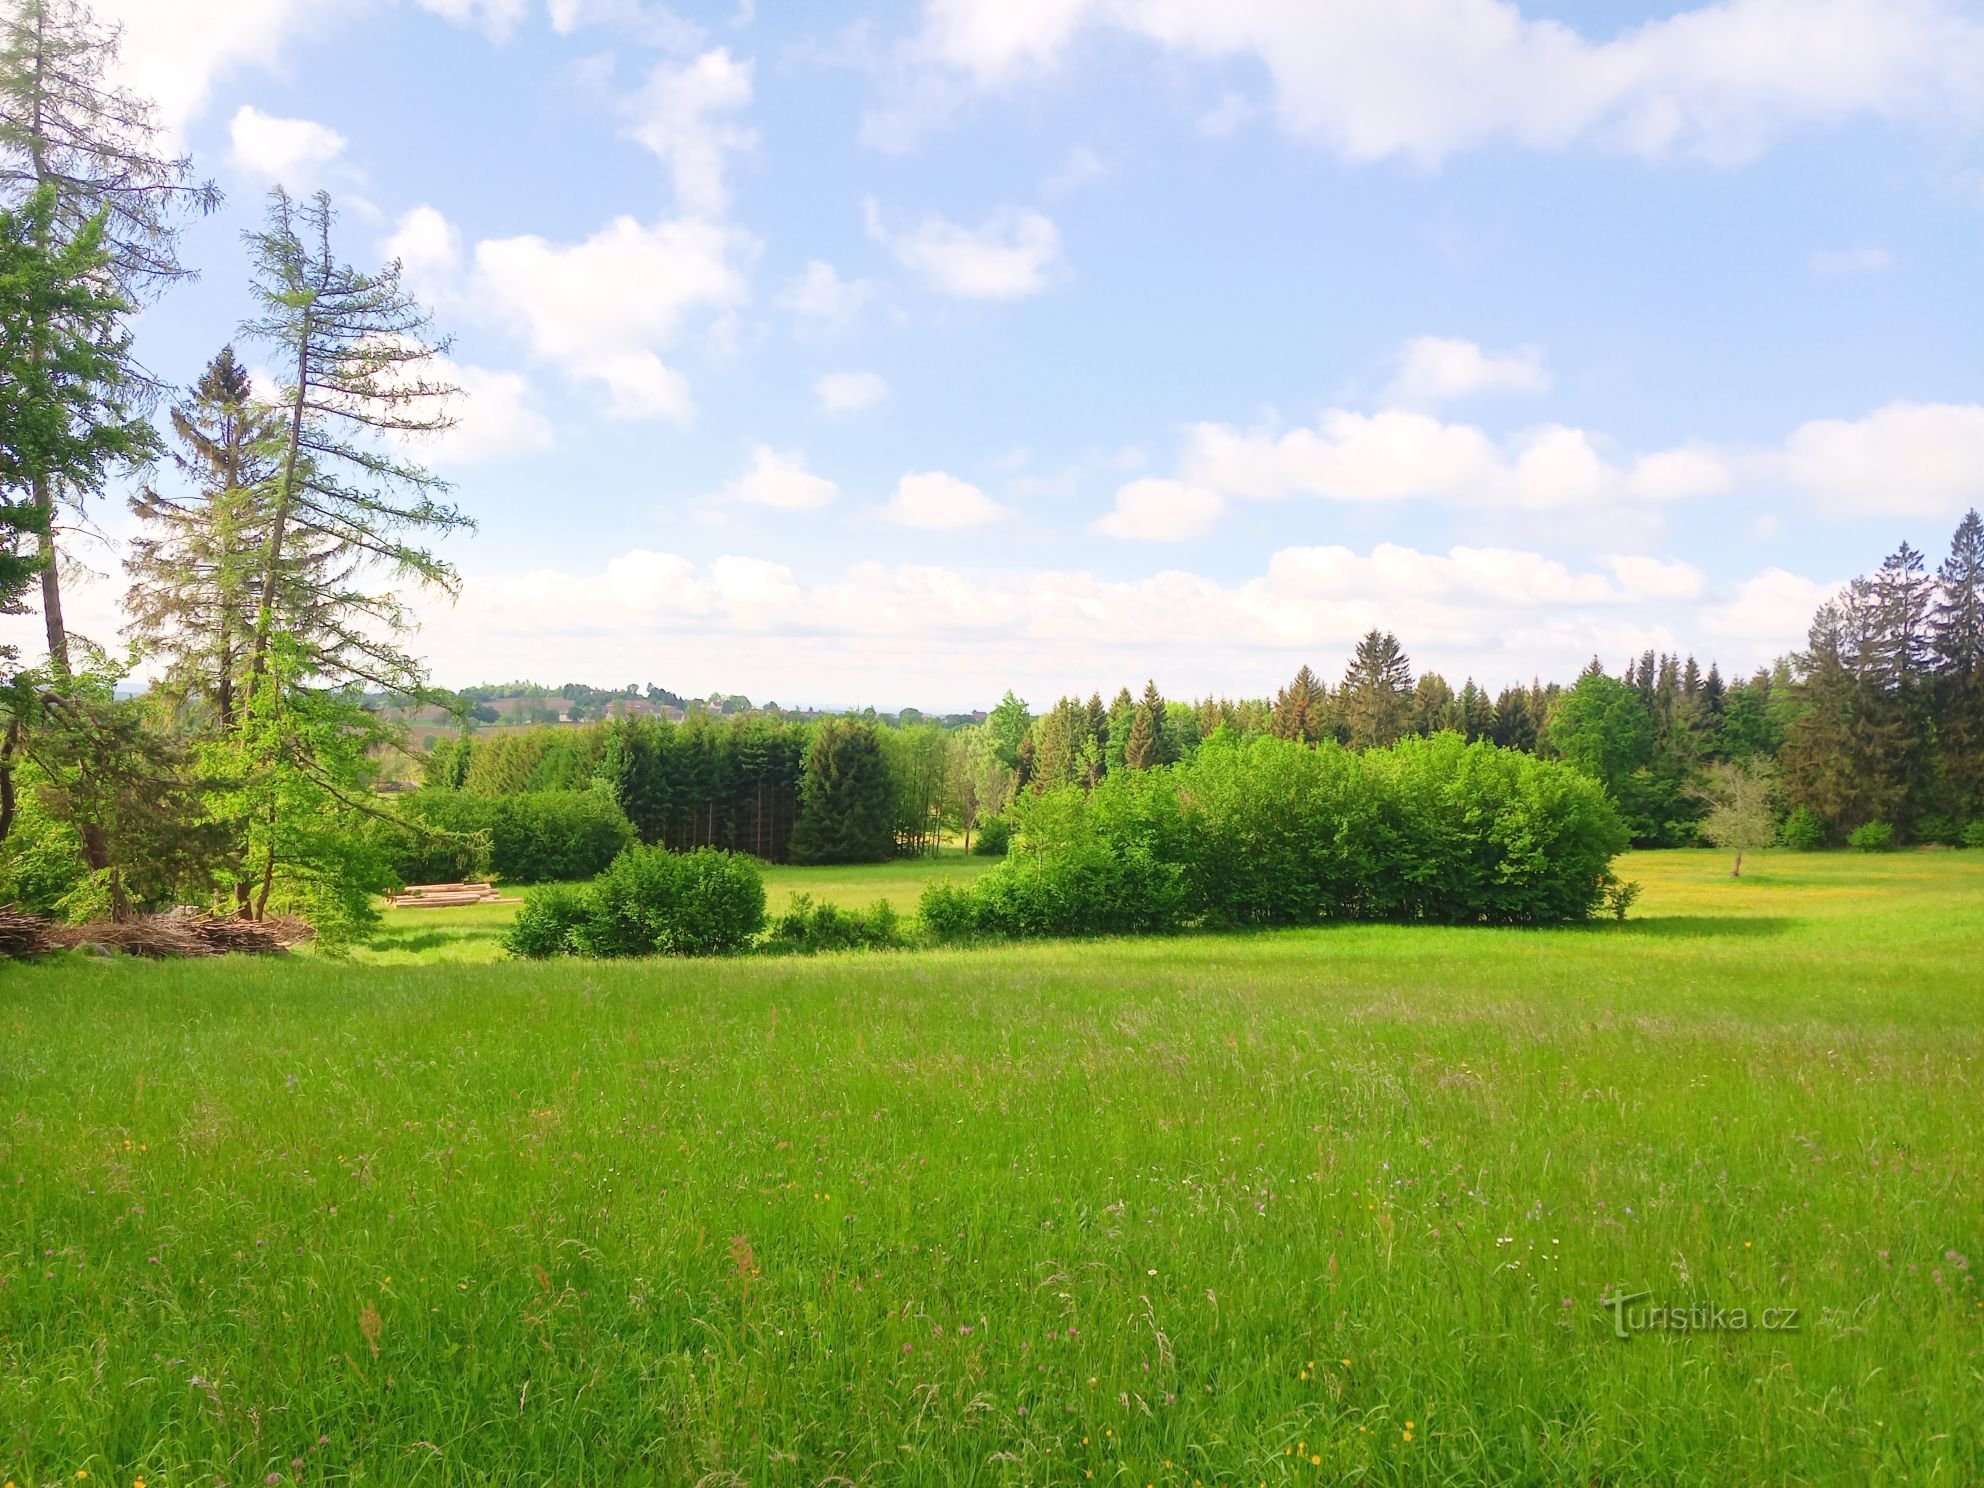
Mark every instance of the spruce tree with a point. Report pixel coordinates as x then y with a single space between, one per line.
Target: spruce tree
192 598
1377 692
1956 644
1145 748
1301 707
846 800
65 129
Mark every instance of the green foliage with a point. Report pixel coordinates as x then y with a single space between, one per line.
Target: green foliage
537 837
1875 836
806 928
1804 830
651 902
1621 894
1938 830
846 800
1973 834
994 839
1275 833
41 861
546 923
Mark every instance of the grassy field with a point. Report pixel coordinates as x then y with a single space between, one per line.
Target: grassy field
1329 1206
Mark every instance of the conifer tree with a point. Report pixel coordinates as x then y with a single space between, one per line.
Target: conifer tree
1956 644
846 802
192 598
94 147
1301 708
1145 748
1377 692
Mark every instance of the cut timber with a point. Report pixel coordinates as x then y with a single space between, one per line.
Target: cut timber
447 896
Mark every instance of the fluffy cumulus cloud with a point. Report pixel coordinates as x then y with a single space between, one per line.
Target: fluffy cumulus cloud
1425 79
603 309
1437 369
1155 510
934 501
175 51
1011 256
684 114
850 392
292 152
495 416
939 636
781 481
1906 459
820 299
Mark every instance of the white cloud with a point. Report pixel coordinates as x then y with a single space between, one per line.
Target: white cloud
782 482
822 298
1843 262
850 392
1400 454
173 51
290 152
934 501
1437 369
1233 113
1154 510
495 417
1008 258
1651 578
603 309
1425 79
494 18
681 115
1770 614
1082 167
1905 459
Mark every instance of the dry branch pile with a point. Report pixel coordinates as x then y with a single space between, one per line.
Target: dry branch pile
185 933
23 935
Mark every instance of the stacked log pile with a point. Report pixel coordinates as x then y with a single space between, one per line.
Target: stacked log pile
447 896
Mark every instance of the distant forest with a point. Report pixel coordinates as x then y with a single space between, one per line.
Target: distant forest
1879 722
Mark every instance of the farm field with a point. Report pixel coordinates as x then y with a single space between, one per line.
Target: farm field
1323 1206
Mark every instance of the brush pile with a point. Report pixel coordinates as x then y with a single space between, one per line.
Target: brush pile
23 935
183 933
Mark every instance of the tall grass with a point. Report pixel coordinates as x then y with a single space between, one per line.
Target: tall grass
1332 1206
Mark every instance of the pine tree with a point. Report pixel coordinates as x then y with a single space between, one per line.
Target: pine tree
846 802
1301 708
1956 644
1146 747
192 597
1377 692
66 417
65 129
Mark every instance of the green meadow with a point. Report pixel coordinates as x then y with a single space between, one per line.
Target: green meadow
1327 1206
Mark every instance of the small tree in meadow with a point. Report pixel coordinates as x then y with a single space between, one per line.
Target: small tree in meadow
1739 818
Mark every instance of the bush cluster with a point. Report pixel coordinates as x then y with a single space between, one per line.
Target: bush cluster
807 928
1804 830
537 837
994 839
1877 836
648 902
1275 833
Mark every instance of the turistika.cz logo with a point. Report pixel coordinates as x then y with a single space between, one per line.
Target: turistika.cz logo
1636 1312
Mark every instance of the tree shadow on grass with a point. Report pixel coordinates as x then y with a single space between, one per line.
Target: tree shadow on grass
415 941
1706 927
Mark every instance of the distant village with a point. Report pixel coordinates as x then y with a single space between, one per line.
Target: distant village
528 704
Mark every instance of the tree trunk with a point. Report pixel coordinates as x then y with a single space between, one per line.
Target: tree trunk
1737 871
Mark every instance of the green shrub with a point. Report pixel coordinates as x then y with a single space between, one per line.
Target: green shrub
537 837
1937 830
1804 830
652 902
1973 835
807 928
994 839
1871 837
545 925
948 911
1272 832
1621 894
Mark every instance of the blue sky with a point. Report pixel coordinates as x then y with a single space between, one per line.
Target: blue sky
899 353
